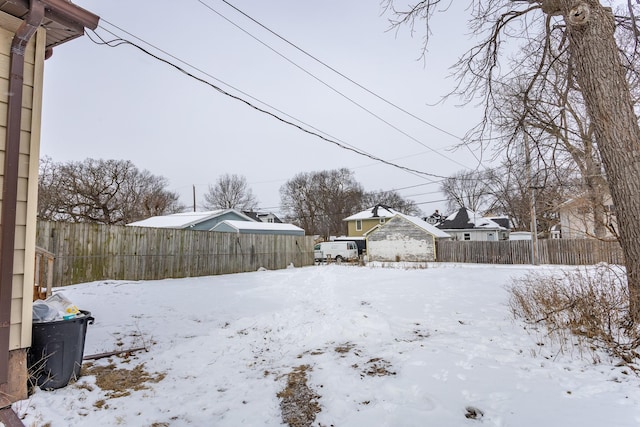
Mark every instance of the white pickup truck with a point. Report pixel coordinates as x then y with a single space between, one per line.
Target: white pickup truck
339 251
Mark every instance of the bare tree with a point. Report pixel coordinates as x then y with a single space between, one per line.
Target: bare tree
391 198
319 201
510 188
103 191
230 192
596 65
557 132
466 189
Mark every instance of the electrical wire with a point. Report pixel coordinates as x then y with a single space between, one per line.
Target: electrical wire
219 81
411 137
120 41
347 77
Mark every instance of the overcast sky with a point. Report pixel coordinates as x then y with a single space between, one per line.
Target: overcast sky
120 103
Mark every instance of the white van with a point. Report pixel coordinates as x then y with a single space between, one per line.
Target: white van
339 251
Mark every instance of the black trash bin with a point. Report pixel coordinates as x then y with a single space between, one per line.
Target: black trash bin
57 347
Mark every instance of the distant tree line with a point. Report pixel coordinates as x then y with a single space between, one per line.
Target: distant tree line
103 191
319 201
117 192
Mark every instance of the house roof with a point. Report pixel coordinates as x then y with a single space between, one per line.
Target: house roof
63 20
465 219
378 211
259 226
419 222
502 221
258 216
183 219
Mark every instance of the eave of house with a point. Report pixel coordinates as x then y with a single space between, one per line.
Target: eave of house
63 20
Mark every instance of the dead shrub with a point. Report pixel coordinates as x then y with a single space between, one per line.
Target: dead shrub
586 308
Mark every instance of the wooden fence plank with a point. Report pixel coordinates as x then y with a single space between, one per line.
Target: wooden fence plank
550 251
89 252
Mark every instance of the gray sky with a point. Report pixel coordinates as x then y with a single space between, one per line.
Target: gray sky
119 103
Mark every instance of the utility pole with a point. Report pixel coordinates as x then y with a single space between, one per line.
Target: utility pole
194 197
532 206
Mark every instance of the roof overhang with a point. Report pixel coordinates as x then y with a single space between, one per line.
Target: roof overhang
63 20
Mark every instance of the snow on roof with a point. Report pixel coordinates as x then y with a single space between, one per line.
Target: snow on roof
382 212
180 220
424 225
267 226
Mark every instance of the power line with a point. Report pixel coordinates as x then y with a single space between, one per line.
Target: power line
334 89
414 186
120 41
217 80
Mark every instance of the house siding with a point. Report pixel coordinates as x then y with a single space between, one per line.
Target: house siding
400 240
577 220
210 223
367 224
479 235
24 256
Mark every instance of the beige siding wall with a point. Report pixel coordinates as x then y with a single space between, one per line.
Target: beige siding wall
20 335
367 224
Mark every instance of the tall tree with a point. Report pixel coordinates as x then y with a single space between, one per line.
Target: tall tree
319 201
231 191
510 190
103 191
466 189
550 120
596 66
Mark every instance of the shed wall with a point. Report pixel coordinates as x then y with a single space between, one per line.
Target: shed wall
400 240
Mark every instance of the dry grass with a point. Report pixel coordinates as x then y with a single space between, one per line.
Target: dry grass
376 367
298 403
118 382
586 309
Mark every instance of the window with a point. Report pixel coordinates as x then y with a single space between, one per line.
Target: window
467 236
358 225
382 220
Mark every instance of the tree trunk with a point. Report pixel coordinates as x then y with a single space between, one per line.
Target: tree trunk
601 77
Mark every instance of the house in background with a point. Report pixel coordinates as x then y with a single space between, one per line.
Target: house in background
358 224
501 220
467 225
263 216
204 221
435 218
222 220
29 30
404 238
257 227
577 219
520 235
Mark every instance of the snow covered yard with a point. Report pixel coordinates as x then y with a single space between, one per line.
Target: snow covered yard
376 347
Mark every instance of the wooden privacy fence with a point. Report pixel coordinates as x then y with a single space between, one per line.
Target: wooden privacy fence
89 252
550 251
43 274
